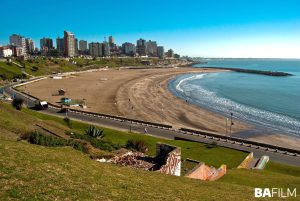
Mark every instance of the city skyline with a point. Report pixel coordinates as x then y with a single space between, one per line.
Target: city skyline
269 29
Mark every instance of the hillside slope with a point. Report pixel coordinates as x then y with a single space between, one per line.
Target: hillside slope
33 172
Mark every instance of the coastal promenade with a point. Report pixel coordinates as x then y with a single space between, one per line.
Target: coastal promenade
124 124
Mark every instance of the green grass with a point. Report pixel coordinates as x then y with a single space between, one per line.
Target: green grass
9 72
33 172
194 150
42 66
45 66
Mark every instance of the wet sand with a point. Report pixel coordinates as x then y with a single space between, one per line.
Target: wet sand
143 94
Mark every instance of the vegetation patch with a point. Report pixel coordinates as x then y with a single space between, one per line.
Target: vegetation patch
137 145
50 141
103 144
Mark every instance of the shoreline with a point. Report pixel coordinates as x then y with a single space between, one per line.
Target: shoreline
144 94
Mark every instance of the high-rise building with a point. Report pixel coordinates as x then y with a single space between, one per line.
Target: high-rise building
152 48
161 52
170 53
111 40
46 42
95 49
141 47
69 44
60 45
76 46
105 49
30 47
18 51
83 45
128 49
18 41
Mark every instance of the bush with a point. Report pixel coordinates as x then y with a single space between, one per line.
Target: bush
214 144
34 68
106 145
138 145
49 141
92 131
17 103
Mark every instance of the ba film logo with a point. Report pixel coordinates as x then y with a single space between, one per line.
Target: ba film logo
274 192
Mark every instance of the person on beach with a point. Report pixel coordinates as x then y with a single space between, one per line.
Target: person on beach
145 131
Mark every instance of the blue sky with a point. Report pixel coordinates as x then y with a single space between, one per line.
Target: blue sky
208 28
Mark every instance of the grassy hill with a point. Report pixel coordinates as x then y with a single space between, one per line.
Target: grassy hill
42 65
33 172
9 71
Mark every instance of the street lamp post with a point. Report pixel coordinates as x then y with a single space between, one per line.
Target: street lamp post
131 109
226 125
231 123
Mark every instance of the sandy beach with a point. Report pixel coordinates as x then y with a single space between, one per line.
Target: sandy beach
143 94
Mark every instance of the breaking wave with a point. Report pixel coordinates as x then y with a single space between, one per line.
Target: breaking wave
193 92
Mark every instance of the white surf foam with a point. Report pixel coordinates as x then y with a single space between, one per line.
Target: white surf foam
198 94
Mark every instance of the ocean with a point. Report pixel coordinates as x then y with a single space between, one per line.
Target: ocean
272 104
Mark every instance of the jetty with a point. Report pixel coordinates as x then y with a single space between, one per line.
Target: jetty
261 72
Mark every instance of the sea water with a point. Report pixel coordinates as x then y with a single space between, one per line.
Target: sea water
270 103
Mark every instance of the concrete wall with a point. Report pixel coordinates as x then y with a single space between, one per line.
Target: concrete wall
172 157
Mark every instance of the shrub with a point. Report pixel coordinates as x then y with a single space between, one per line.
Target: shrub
51 141
34 68
17 103
106 145
214 144
92 131
138 145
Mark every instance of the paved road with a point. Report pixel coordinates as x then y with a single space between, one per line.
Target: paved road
124 125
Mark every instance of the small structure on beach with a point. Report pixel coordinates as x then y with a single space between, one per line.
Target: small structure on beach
65 100
61 92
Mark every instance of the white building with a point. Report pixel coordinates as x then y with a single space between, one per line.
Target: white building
5 52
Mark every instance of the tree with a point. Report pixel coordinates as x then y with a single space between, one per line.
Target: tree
17 103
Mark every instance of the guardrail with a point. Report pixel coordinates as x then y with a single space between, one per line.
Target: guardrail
268 146
116 117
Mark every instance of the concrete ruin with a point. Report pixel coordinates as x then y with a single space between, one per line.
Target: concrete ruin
169 157
206 173
250 162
